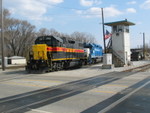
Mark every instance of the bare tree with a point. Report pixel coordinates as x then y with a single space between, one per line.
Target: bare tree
18 36
83 37
79 36
43 32
53 32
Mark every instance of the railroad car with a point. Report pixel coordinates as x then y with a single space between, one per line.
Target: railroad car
52 53
137 54
94 52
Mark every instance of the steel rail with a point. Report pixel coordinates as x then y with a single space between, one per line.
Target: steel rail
139 68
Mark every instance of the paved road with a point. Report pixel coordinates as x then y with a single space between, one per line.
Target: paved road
139 102
134 99
86 90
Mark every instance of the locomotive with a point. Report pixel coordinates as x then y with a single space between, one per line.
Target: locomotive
94 53
51 53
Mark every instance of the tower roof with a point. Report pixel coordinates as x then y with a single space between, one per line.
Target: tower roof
123 22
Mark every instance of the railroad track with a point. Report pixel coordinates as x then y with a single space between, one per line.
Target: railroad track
139 68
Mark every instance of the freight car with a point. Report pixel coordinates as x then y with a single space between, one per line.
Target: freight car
51 53
137 54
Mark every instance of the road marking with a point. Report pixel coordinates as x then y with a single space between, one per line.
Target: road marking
43 80
116 85
122 99
32 84
25 84
39 111
112 92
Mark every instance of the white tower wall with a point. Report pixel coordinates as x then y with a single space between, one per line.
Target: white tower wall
117 44
121 43
127 47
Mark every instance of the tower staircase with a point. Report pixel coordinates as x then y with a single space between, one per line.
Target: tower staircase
117 60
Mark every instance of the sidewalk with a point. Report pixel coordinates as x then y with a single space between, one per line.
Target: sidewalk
14 66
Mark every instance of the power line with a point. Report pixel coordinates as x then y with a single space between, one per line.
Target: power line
74 15
64 7
72 8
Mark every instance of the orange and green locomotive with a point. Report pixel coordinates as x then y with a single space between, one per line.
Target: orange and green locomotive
51 53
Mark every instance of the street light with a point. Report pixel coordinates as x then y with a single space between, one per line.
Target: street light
2 36
143 36
143 45
103 30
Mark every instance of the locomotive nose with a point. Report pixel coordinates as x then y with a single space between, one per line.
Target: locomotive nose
39 51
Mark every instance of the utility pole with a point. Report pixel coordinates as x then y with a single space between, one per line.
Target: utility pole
103 31
2 36
143 45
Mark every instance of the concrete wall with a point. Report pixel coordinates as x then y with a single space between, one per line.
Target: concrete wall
18 61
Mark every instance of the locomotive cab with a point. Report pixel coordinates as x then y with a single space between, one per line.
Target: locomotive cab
42 52
49 41
43 46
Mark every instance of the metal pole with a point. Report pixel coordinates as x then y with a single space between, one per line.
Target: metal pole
2 37
103 30
144 45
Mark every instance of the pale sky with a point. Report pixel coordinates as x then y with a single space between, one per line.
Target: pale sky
68 16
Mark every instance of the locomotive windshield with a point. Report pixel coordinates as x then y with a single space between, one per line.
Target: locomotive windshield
44 40
49 40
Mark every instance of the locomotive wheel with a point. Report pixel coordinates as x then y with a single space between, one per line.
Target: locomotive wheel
53 66
56 66
81 63
66 65
41 71
59 66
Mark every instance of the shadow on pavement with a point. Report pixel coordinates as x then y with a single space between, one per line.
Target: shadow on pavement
35 99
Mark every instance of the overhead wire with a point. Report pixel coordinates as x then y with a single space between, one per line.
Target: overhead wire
68 7
73 9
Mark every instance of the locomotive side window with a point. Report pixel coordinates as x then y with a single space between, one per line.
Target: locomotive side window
80 45
57 42
39 40
48 41
44 40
